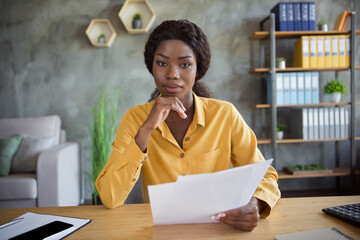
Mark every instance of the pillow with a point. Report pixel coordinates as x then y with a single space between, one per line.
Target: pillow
26 157
8 147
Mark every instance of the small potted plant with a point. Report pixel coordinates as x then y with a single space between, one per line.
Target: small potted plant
335 88
136 23
323 26
101 39
280 128
281 62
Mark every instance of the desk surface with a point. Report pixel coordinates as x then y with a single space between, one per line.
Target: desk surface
134 221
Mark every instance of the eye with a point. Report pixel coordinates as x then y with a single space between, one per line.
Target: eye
160 63
185 65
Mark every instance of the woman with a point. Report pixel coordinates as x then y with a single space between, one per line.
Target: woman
182 130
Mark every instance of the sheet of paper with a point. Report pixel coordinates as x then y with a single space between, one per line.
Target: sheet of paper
196 198
32 220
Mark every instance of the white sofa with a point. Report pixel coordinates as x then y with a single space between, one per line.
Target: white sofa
55 179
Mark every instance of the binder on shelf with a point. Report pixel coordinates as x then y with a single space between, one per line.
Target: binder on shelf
342 123
297 16
342 51
311 123
321 124
290 16
301 52
334 51
339 21
337 122
348 50
312 16
286 81
331 123
314 87
320 52
304 16
293 89
326 124
280 16
307 85
347 123
327 49
313 52
279 89
316 123
300 88
299 123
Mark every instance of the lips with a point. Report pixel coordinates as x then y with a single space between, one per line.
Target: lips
172 88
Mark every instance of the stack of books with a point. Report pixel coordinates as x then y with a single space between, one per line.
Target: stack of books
295 88
320 123
294 16
322 51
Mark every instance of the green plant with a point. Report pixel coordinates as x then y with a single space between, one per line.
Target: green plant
279 59
102 131
335 86
101 36
137 16
281 127
322 23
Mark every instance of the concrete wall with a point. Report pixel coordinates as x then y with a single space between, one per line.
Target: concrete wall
48 66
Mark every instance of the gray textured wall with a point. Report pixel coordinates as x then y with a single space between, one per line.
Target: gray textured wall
48 66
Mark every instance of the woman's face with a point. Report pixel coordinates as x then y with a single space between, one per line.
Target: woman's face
174 69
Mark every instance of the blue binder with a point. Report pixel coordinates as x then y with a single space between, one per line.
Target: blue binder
315 87
293 89
297 16
312 16
304 16
286 82
290 16
307 85
279 89
300 88
280 16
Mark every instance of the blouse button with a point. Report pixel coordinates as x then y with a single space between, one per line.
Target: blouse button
187 139
182 155
134 179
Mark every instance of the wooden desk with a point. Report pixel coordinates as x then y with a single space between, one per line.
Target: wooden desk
135 221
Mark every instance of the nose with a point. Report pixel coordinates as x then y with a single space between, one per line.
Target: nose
172 72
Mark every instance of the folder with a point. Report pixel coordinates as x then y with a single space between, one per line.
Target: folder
342 123
316 123
286 81
313 52
280 16
311 123
337 122
320 52
348 50
342 51
312 16
299 123
334 51
347 110
345 20
331 123
297 16
327 49
279 89
321 124
304 16
307 81
290 16
326 123
301 52
300 88
293 88
339 21
314 87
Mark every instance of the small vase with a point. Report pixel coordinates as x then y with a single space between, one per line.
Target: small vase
323 27
101 40
335 97
279 135
136 24
281 64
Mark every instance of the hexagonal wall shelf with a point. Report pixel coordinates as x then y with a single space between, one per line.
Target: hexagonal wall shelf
98 27
131 7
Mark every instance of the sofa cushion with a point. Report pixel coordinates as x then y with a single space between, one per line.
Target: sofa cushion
48 126
25 159
18 186
8 147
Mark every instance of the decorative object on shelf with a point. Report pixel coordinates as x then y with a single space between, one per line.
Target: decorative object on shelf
136 23
281 62
323 26
100 33
101 39
306 169
335 88
102 131
130 8
280 128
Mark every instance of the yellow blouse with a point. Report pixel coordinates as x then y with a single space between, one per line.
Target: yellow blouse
217 137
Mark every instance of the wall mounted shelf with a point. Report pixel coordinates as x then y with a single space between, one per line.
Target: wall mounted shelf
98 27
131 7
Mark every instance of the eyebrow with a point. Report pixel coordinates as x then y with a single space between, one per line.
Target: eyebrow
182 57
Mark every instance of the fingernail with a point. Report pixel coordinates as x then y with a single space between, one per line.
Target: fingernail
213 218
221 215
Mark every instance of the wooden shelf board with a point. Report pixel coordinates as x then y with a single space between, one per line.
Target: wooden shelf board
299 69
100 26
336 172
302 105
296 34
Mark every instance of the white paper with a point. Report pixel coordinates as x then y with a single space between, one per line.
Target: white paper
32 220
196 198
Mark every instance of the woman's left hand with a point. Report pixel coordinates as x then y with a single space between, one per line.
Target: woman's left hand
245 218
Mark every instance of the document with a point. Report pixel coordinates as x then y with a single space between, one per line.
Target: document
196 198
30 221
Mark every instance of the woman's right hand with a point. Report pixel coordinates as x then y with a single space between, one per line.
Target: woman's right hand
158 115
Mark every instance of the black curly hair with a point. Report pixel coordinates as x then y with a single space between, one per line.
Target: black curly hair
192 35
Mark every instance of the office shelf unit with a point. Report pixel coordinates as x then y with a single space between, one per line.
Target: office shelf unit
272 35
